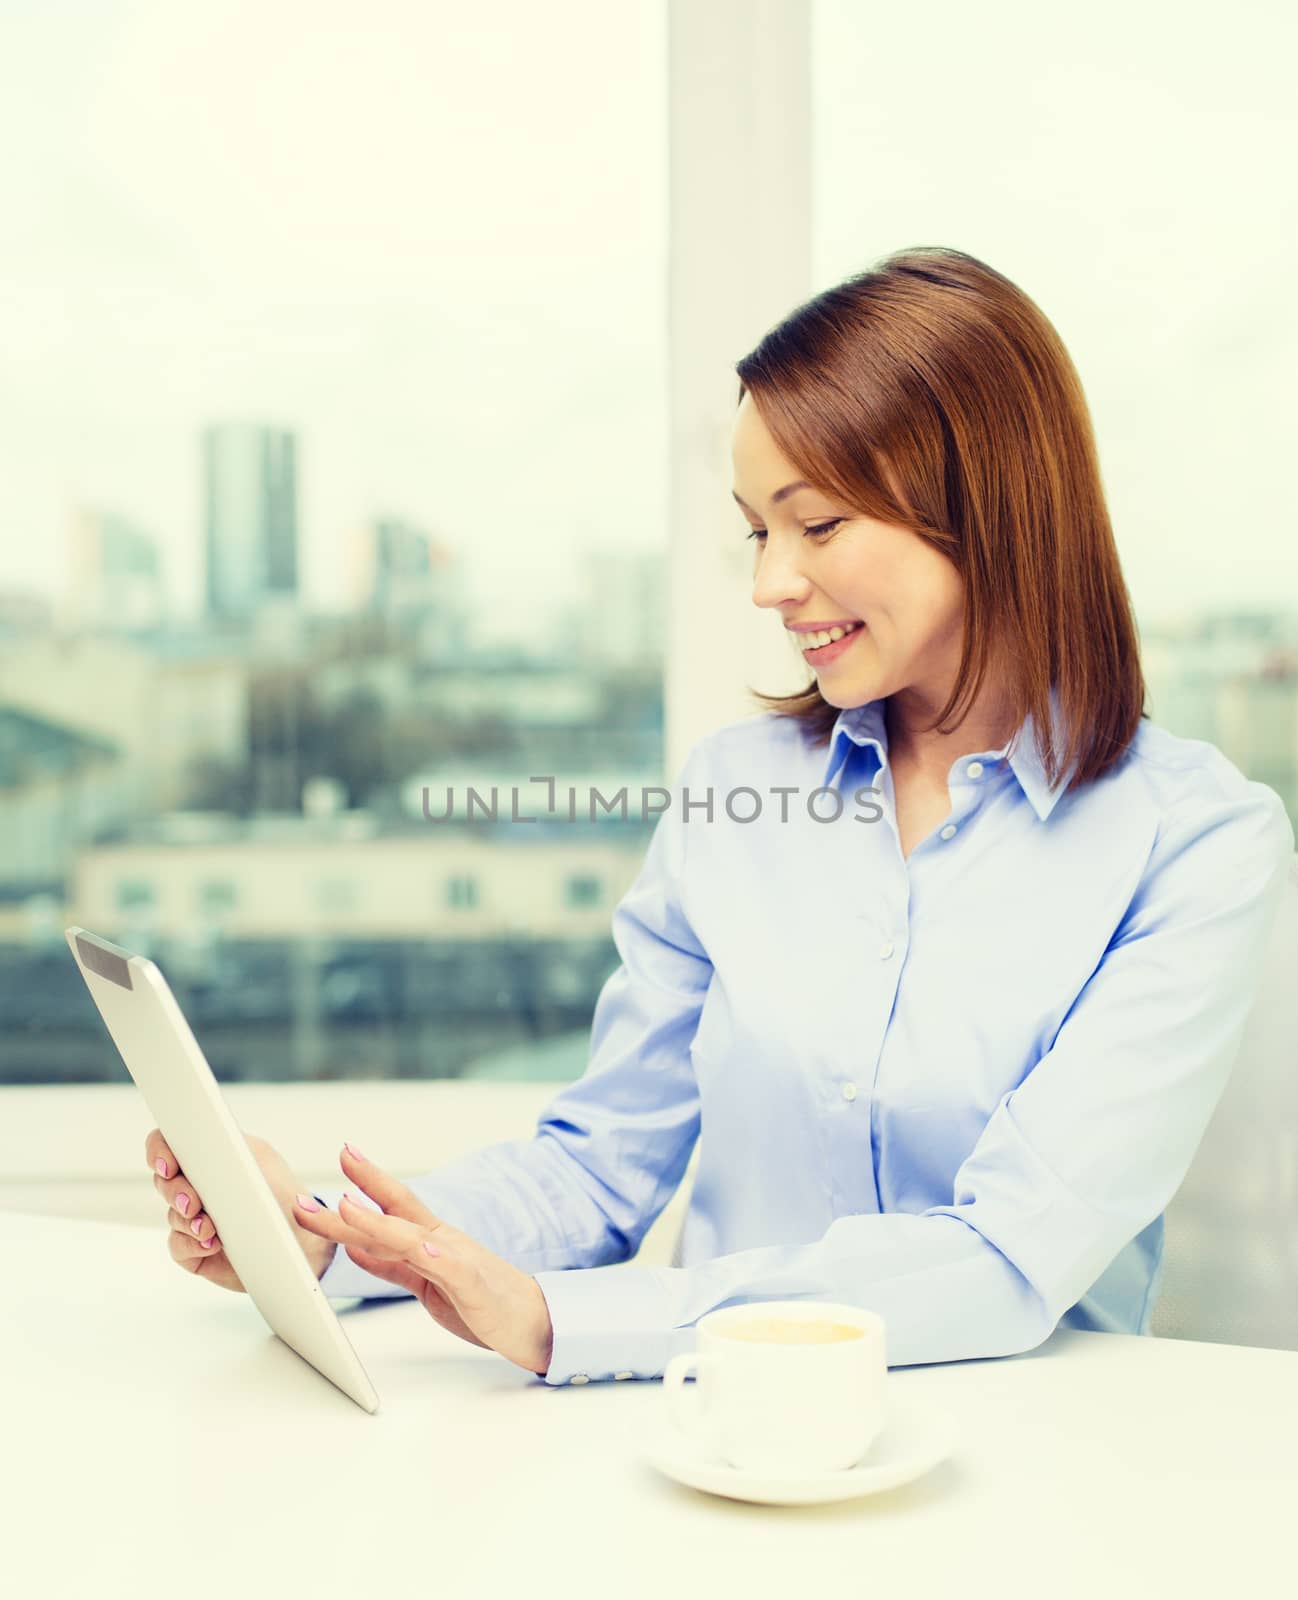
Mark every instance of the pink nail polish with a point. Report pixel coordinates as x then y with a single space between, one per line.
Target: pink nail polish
160 1166
307 1203
353 1151
431 1249
182 1204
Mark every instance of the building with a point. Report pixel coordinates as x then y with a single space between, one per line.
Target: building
58 786
114 578
1231 678
23 614
341 877
165 705
401 572
250 519
621 618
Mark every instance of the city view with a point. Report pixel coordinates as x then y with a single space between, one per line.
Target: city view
244 797
289 429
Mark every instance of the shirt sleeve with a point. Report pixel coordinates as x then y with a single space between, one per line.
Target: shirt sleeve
610 1149
1073 1162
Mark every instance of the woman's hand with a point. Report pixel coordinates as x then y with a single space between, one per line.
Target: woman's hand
472 1292
192 1238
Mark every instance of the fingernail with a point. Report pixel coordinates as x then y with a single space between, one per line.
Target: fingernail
160 1166
307 1203
431 1249
348 1195
353 1151
208 1243
182 1204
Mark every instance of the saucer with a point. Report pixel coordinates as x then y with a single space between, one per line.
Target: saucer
914 1438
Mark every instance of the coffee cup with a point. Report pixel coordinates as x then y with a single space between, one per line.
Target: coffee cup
784 1386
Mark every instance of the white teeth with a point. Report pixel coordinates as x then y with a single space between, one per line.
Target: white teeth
813 641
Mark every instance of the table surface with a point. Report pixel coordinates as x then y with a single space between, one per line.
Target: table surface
160 1439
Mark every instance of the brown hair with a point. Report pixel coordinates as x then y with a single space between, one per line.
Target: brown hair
931 392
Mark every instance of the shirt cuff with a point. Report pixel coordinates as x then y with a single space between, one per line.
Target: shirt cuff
612 1322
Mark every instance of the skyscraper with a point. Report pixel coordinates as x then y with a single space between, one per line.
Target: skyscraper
250 501
621 617
408 575
113 575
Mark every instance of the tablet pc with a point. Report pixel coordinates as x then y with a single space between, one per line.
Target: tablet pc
171 1072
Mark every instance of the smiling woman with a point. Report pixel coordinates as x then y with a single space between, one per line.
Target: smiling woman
952 1066
942 459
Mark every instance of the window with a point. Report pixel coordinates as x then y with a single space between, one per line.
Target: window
216 895
317 491
462 893
134 894
583 890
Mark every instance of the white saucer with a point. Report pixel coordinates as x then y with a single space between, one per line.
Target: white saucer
916 1436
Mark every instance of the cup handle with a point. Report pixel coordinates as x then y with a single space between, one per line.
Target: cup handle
687 1415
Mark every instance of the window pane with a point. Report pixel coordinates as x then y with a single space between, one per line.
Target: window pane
583 890
333 473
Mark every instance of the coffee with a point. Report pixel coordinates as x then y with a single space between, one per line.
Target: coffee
788 1386
789 1330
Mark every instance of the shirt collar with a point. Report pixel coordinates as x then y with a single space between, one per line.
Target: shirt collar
865 725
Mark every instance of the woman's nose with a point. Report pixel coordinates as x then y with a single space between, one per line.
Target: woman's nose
778 580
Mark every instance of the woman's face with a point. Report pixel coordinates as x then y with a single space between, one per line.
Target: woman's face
907 595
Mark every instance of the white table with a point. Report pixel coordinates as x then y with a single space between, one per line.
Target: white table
159 1440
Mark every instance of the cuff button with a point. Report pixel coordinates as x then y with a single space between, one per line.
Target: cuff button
624 1374
579 1377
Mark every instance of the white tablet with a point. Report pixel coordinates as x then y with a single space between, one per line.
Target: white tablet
171 1072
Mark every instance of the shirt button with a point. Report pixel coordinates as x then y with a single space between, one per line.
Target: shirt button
579 1377
849 1091
949 831
885 950
975 769
624 1374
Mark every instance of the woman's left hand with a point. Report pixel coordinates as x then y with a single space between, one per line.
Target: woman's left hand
472 1292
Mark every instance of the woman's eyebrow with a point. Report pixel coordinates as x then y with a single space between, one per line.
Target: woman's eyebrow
780 494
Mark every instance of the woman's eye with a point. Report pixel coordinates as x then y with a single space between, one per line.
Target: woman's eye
820 527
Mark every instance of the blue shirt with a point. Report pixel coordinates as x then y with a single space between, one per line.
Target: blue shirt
958 1088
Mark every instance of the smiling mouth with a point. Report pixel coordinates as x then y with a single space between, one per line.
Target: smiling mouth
827 639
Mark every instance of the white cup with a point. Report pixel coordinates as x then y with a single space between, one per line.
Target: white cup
769 1406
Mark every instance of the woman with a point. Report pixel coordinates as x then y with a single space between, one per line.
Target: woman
953 1050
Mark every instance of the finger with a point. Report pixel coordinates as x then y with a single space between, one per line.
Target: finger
157 1150
379 1231
200 1228
179 1224
435 1300
425 1252
390 1193
186 1250
330 1225
179 1192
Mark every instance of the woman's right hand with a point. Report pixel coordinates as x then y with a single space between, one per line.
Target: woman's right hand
192 1238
